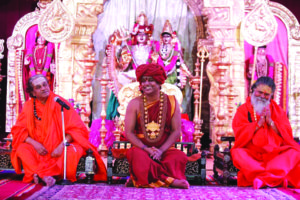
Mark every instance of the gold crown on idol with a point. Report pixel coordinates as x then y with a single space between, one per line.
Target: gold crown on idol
142 19
167 28
141 25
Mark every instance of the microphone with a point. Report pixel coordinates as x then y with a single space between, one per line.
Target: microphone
63 104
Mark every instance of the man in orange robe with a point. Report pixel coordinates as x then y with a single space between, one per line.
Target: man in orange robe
38 139
152 125
264 151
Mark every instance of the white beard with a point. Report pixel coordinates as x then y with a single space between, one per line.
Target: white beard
259 103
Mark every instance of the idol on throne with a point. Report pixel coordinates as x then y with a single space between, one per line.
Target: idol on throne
136 49
171 56
125 52
39 57
29 54
34 49
140 48
271 60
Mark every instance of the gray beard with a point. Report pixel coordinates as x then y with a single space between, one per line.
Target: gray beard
259 103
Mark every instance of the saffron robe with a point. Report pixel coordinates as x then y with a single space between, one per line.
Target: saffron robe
263 154
146 172
48 132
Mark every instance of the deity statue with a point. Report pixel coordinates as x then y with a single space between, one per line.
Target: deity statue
38 60
267 66
133 51
138 50
171 56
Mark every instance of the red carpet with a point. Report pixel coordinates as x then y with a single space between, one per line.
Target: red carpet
11 189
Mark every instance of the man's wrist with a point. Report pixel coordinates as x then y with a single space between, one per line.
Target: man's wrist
144 147
258 125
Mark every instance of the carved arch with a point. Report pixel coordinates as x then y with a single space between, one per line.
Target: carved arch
293 31
16 45
293 34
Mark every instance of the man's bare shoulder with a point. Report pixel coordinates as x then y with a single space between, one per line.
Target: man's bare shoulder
134 103
136 99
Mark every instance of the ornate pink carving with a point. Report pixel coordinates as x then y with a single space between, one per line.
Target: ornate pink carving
88 10
260 26
56 23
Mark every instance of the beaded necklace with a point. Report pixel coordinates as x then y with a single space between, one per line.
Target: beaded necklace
34 111
254 113
39 57
153 128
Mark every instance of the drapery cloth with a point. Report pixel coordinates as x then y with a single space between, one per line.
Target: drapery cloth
265 155
48 132
146 172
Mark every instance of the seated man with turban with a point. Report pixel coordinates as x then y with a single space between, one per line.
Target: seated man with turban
264 150
38 138
152 125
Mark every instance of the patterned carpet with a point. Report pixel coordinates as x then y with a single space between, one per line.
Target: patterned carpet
118 191
13 189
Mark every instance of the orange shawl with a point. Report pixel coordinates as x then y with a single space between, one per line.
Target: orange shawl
51 134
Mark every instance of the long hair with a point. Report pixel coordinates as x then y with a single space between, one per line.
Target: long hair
264 80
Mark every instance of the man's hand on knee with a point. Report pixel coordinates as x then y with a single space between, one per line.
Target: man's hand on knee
154 153
40 149
58 150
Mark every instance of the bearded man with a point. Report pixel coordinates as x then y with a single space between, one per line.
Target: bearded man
38 139
152 125
264 151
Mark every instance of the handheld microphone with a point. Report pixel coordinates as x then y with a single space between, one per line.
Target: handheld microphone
63 104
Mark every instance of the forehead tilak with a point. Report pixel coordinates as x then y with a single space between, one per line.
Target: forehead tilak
264 88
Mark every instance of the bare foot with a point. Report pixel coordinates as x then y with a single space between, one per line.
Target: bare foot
49 180
129 183
257 183
35 179
180 184
285 183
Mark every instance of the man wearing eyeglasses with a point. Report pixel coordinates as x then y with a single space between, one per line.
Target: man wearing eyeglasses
264 151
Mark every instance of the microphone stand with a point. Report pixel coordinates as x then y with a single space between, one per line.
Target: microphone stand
65 181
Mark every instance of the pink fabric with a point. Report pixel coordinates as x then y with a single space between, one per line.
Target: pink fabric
278 48
118 191
187 130
29 49
95 134
30 42
271 64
